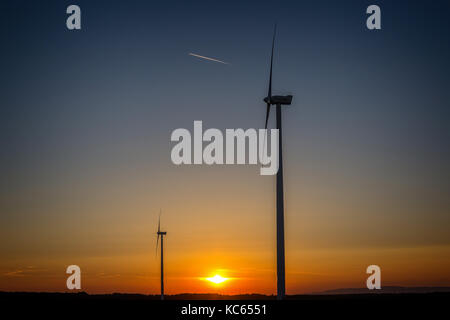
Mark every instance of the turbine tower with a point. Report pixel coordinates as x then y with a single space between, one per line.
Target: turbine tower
162 234
278 101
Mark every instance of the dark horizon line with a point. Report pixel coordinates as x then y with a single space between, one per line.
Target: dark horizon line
340 291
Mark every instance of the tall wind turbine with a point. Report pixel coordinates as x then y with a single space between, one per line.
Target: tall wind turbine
161 234
278 101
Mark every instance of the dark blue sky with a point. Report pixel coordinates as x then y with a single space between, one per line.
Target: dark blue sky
126 76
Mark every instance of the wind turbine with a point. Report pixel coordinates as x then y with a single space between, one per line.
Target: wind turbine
278 101
162 234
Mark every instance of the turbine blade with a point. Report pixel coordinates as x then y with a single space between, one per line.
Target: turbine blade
159 221
159 229
157 242
271 64
269 94
267 114
265 127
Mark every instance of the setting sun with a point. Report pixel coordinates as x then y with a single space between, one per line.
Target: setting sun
217 279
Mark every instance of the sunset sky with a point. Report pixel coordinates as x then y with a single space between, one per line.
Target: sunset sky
86 118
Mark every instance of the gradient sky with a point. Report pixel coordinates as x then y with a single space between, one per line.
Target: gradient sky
86 118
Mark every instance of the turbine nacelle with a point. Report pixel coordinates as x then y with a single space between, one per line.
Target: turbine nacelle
281 100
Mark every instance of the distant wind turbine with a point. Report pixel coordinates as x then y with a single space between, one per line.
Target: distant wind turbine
162 234
278 101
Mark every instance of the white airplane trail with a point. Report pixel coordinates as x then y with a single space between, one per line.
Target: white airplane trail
207 58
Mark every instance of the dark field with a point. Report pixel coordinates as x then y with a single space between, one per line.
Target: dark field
358 306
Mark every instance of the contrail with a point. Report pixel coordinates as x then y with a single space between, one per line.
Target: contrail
207 58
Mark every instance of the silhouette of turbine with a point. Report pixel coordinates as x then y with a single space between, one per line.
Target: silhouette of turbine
278 101
161 234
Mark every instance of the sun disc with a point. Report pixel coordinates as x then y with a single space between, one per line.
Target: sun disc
217 279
